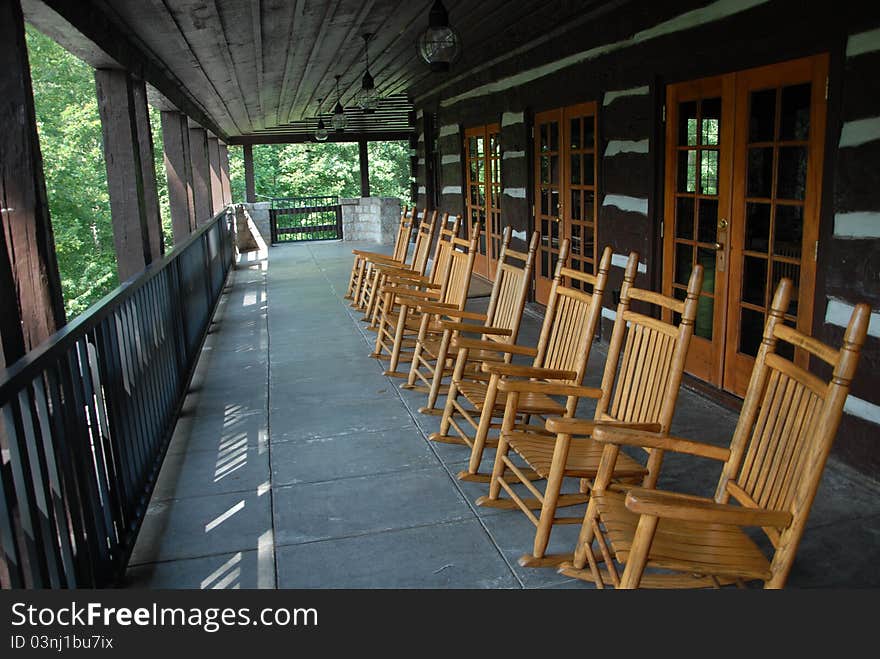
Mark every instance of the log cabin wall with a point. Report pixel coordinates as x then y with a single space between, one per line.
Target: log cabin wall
624 62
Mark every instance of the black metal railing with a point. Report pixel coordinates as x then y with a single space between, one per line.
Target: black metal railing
87 416
298 219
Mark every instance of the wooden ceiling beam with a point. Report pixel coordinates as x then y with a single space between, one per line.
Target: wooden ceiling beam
300 138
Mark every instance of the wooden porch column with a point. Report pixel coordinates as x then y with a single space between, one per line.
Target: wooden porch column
135 218
148 168
365 168
201 173
250 188
224 174
216 185
32 305
178 170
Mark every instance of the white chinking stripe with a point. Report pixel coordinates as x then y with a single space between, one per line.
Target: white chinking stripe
715 11
452 189
863 42
625 203
512 118
862 409
610 314
616 147
508 155
449 129
519 235
516 193
858 224
610 97
450 160
422 189
421 161
838 313
620 261
421 137
420 114
860 131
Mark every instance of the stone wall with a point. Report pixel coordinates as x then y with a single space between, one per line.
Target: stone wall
370 219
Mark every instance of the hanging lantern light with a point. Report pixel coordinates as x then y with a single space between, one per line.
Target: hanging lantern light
338 120
440 44
321 133
368 98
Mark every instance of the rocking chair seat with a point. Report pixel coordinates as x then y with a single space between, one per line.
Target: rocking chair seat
584 456
529 402
694 548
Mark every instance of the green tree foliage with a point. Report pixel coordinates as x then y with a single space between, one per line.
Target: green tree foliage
332 168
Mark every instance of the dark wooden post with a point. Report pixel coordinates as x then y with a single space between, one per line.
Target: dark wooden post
125 172
224 174
178 171
216 185
365 168
148 168
250 188
33 301
201 171
11 336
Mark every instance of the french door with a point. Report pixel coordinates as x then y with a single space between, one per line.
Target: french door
565 190
483 198
743 176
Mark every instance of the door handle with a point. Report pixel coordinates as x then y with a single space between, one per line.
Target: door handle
718 247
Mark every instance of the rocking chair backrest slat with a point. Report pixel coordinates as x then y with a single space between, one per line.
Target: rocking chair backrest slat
424 237
443 250
404 232
461 265
510 288
787 425
646 355
572 316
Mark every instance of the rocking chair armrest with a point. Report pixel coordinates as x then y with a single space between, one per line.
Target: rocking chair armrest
469 315
406 280
371 255
392 268
495 346
643 501
520 371
412 296
574 426
645 438
473 328
441 308
548 388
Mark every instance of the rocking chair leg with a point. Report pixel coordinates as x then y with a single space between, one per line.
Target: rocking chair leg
638 555
503 447
551 497
439 368
485 423
398 337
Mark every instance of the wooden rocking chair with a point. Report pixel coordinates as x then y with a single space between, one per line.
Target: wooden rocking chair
559 360
501 324
640 386
400 320
772 469
384 300
398 254
377 271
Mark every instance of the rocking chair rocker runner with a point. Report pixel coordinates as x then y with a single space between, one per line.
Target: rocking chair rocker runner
377 271
400 321
501 324
558 367
787 425
639 389
398 255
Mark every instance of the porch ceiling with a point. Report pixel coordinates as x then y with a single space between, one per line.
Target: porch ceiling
259 67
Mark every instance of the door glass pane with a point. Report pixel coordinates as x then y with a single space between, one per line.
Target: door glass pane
589 168
789 232
706 258
687 171
575 207
791 271
545 169
481 146
795 120
575 134
757 237
589 209
709 172
545 203
576 239
708 225
705 316
687 123
762 116
554 203
711 122
589 243
589 132
554 136
760 176
751 329
575 177
792 182
545 139
684 262
684 218
554 170
754 280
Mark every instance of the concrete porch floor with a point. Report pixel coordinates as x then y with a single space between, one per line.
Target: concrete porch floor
297 464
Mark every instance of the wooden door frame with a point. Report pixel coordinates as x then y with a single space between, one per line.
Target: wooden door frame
485 263
543 284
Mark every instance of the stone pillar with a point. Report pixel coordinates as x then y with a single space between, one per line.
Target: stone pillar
201 173
216 185
134 222
178 170
30 286
250 187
